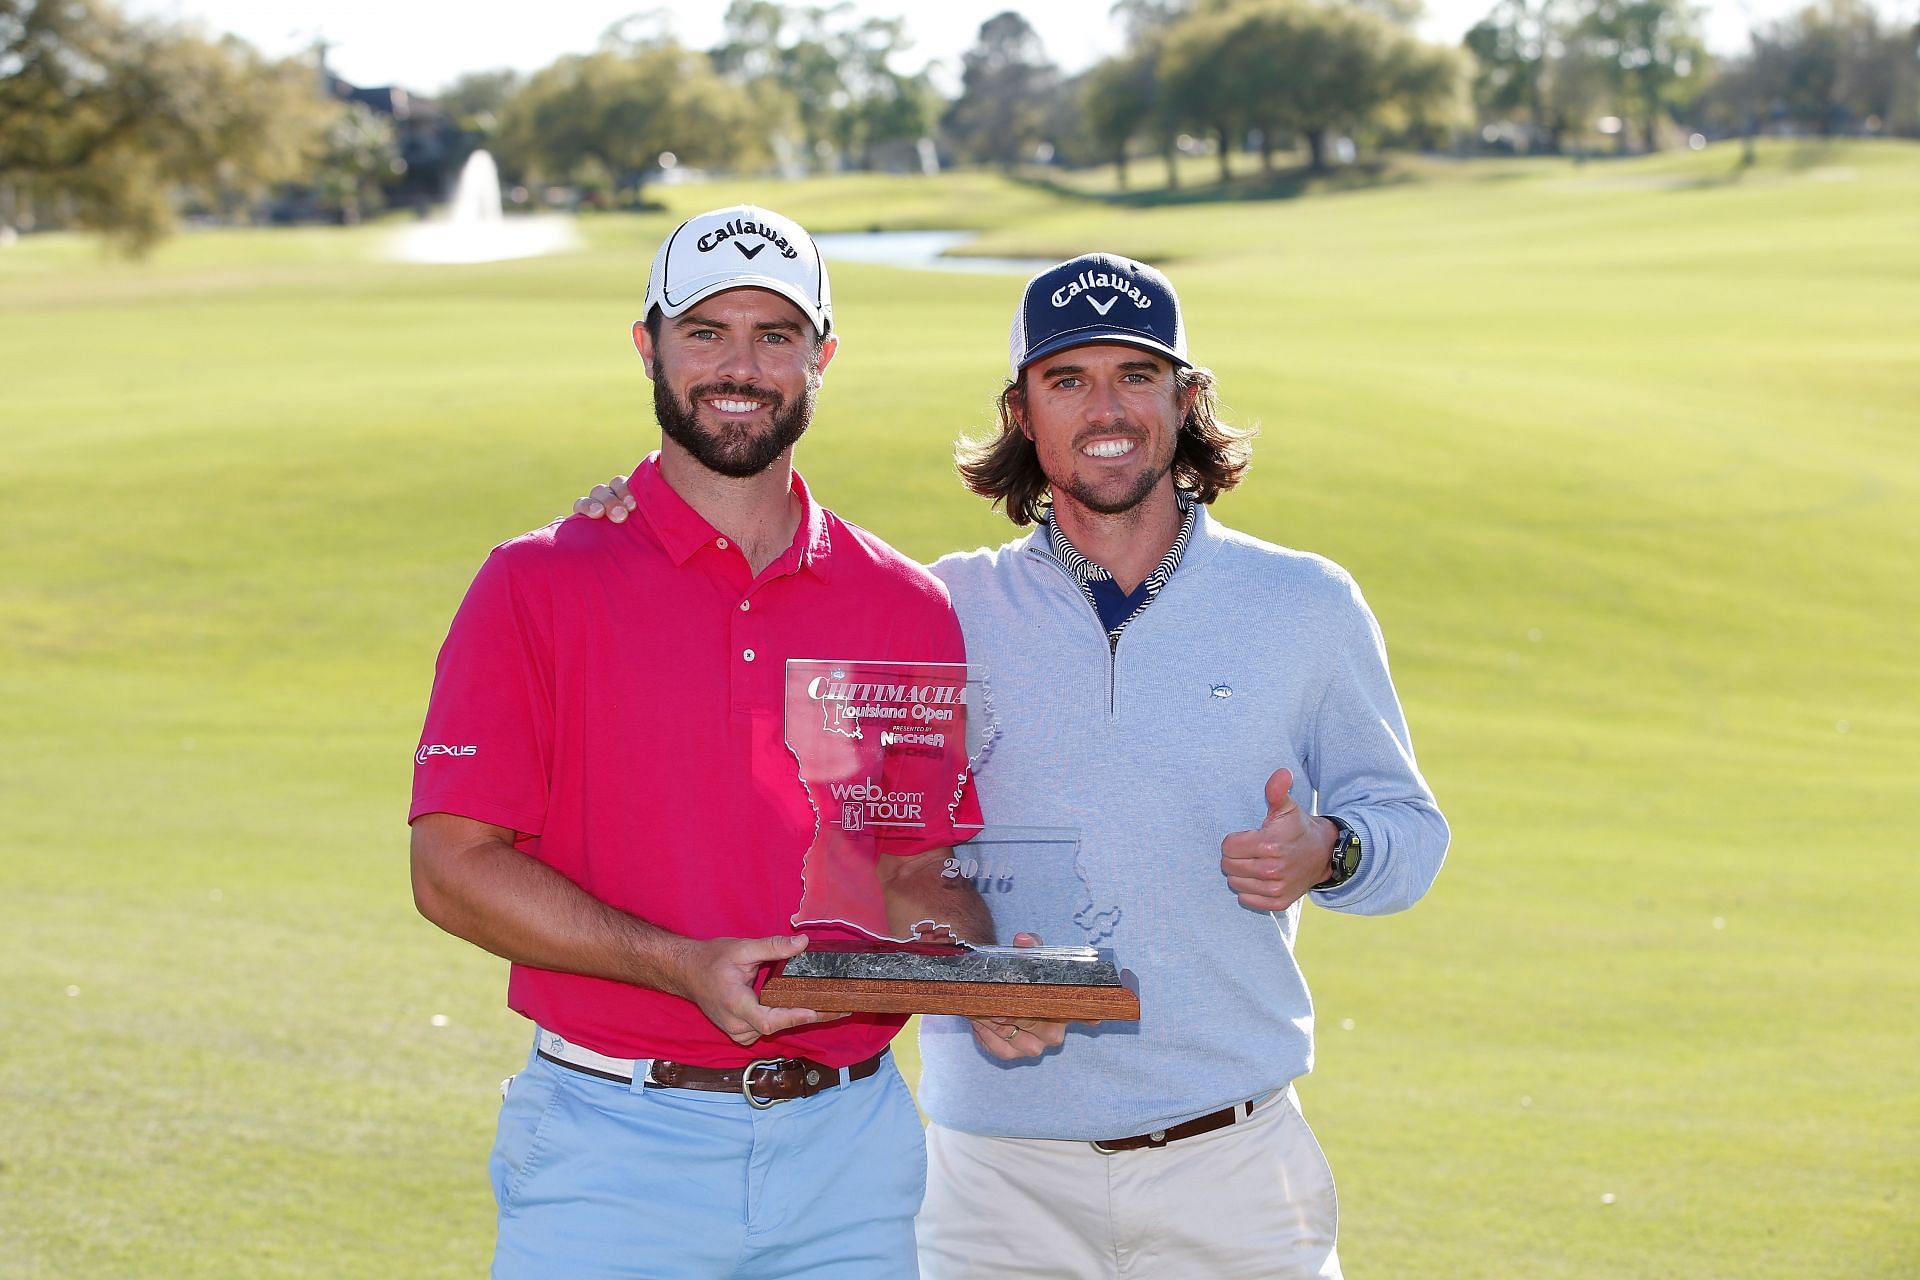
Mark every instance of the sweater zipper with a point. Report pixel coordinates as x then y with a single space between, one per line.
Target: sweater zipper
1113 641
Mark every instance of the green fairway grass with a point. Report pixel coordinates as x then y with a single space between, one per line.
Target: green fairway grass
1626 456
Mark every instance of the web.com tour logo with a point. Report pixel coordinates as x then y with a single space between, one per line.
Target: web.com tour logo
431 749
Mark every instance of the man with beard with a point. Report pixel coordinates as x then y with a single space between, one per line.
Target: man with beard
604 797
1215 714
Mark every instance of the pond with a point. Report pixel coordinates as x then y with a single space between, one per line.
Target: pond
919 251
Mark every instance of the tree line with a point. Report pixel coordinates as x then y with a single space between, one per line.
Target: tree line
121 124
1546 70
110 123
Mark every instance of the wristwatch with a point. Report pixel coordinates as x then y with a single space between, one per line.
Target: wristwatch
1346 855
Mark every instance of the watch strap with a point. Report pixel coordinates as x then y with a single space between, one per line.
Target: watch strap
1346 855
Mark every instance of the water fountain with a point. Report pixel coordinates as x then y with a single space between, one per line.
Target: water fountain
473 228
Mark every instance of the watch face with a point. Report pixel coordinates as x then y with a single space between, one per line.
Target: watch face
1346 856
1346 853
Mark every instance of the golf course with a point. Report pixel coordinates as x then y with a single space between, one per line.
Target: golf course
1625 454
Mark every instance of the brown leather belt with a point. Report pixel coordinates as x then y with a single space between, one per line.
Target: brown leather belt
1185 1129
762 1082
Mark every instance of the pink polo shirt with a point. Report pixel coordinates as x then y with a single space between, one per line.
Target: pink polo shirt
615 694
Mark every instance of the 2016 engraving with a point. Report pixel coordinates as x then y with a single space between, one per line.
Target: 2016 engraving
984 876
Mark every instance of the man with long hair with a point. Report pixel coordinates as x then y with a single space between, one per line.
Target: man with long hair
1214 713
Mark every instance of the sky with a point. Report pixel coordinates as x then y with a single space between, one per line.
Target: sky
424 44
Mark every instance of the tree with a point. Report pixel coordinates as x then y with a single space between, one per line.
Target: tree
895 108
765 44
1831 67
1007 88
617 110
1295 66
1205 80
1653 56
880 104
474 100
1429 94
1511 47
1118 98
1543 63
1402 13
1126 97
1144 21
827 71
361 154
1338 70
114 122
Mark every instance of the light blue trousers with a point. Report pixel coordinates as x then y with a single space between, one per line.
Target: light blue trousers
595 1178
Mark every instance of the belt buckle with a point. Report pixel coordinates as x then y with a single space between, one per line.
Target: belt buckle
1154 1141
746 1082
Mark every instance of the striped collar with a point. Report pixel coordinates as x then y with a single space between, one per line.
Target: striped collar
1087 573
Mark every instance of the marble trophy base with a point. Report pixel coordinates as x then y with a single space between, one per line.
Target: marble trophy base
1068 984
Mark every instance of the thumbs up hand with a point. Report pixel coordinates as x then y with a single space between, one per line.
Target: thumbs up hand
1272 867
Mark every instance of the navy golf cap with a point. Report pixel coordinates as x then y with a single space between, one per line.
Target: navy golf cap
1097 297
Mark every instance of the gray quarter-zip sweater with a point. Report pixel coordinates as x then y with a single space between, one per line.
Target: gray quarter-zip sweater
1252 657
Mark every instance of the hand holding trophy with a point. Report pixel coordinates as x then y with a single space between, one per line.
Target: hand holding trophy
877 745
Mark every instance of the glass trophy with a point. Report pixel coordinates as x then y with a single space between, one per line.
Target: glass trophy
885 750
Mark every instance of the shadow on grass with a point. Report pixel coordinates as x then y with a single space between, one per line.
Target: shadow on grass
1295 181
1811 153
1282 184
1803 159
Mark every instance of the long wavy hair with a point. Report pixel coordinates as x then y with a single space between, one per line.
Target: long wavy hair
1209 457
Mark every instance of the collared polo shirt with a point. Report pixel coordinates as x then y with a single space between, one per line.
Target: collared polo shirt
1117 608
614 694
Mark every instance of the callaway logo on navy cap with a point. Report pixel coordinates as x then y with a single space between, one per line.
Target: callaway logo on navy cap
1097 297
744 247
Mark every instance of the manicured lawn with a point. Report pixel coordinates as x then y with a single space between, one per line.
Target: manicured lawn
1626 456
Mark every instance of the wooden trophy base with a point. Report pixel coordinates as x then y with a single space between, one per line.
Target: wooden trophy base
1060 984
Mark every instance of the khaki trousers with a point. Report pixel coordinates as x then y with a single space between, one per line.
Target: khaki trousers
1252 1200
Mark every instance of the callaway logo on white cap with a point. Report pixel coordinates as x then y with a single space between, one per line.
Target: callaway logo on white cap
729 249
732 232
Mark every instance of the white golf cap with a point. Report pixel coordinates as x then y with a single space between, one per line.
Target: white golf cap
744 247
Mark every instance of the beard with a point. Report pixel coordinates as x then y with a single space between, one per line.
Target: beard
735 452
1112 502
